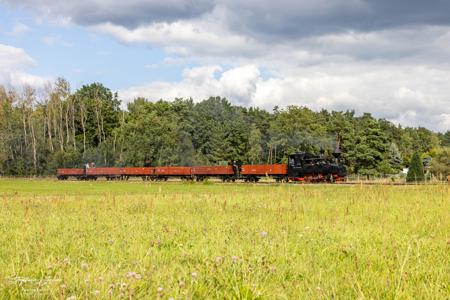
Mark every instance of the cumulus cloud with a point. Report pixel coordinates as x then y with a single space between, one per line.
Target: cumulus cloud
238 84
184 38
12 58
13 64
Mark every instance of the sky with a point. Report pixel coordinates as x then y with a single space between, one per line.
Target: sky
388 58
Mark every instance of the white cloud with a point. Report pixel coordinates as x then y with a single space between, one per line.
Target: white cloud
12 58
20 28
185 38
237 84
13 63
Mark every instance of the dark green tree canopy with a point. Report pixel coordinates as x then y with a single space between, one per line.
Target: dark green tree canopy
99 108
415 171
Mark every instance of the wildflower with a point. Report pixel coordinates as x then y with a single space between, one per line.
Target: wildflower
234 258
218 259
100 278
133 275
273 269
182 284
264 234
194 275
123 286
84 265
72 298
160 289
49 267
66 261
111 286
171 298
110 242
63 286
96 293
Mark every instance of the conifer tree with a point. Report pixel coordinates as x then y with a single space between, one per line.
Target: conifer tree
415 172
395 158
254 141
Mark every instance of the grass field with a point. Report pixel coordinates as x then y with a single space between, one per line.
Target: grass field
88 240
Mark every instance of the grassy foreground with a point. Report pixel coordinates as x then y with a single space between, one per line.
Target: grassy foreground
94 240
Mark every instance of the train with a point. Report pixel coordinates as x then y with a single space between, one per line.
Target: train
301 167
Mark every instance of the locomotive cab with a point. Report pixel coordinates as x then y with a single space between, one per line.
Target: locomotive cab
298 163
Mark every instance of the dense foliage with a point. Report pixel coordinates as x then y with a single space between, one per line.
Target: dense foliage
39 133
415 171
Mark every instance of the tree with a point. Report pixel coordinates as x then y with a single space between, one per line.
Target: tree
395 157
415 172
43 131
440 164
371 147
98 113
445 139
255 149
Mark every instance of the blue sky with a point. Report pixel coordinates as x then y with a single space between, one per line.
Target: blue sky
383 57
80 55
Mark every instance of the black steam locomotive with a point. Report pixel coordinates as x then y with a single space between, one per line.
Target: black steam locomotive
311 167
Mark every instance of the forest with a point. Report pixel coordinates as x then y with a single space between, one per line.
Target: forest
43 130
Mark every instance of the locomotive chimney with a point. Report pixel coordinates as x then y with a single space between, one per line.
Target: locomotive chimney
337 149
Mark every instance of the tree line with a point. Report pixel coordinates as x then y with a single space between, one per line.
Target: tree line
61 128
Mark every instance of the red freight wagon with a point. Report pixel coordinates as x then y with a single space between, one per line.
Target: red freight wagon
70 172
262 170
103 171
173 171
141 171
212 170
277 169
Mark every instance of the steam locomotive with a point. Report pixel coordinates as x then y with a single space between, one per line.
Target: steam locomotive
301 166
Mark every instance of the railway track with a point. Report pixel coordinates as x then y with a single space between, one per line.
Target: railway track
274 183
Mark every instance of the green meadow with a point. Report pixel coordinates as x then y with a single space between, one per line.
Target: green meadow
145 240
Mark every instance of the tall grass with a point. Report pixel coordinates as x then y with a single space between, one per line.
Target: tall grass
171 240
